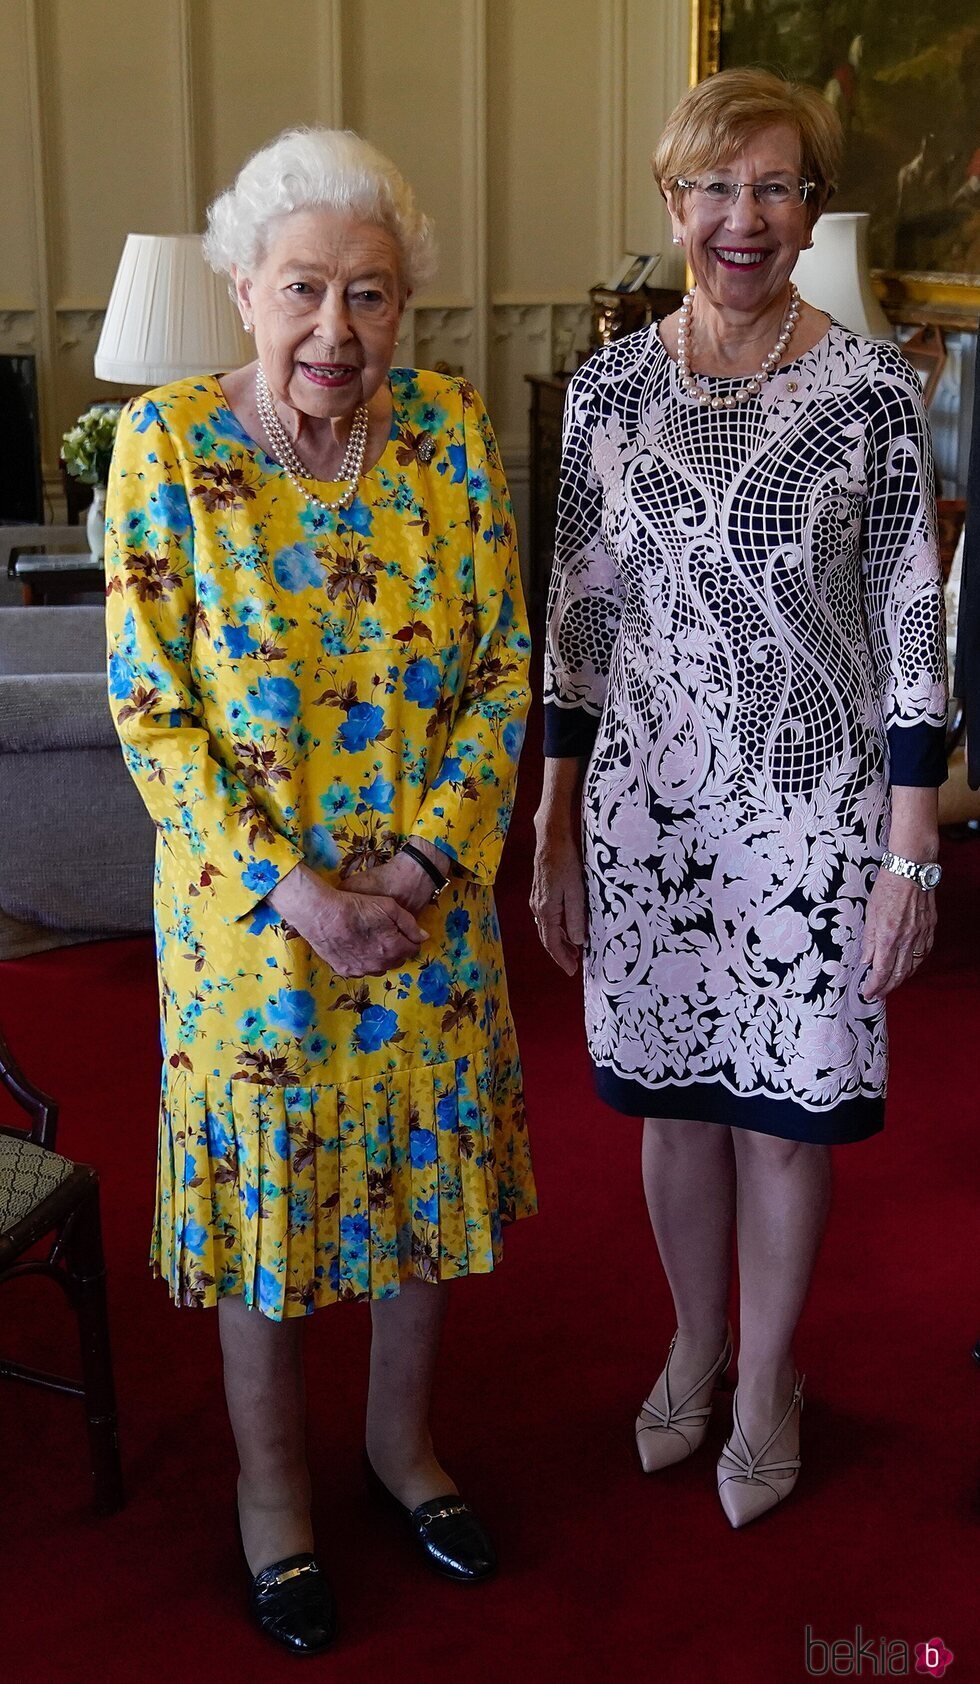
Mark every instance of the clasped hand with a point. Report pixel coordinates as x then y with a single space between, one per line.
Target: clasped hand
365 926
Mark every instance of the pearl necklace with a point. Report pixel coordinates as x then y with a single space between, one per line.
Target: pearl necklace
351 468
751 388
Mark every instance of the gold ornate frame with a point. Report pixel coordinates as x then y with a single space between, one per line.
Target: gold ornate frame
952 300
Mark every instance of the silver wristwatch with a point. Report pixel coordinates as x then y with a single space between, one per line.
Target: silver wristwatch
926 876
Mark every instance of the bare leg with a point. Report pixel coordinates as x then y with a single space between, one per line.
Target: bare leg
263 1363
689 1181
404 1349
783 1200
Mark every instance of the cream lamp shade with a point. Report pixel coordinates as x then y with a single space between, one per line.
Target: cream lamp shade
834 274
169 315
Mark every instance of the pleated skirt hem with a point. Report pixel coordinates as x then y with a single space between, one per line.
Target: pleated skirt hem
299 1197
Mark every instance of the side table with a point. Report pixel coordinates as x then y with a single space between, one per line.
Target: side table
51 580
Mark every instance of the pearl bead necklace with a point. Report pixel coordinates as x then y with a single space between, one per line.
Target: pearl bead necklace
751 388
351 468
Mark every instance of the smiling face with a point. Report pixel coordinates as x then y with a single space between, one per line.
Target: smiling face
741 253
326 304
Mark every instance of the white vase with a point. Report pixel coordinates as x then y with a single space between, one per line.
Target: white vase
95 522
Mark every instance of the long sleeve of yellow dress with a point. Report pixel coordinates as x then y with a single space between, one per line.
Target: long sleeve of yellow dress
224 844
468 808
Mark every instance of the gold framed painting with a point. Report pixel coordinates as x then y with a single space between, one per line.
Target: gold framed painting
905 80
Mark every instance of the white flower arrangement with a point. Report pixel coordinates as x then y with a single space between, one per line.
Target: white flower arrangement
87 446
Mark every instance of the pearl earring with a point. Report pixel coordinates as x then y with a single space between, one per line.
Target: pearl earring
247 326
676 240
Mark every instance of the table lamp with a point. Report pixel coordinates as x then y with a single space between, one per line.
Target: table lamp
834 274
169 315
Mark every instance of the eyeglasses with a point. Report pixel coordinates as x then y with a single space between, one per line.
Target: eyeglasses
769 195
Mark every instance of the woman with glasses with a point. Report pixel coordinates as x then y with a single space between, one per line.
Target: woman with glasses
745 717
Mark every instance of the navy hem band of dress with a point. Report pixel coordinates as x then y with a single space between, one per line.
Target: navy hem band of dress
711 1102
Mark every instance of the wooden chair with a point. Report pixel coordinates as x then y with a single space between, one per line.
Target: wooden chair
44 1194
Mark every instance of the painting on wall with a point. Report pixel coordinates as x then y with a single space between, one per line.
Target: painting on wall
905 80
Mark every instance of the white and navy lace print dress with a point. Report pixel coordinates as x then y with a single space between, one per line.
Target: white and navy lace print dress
746 643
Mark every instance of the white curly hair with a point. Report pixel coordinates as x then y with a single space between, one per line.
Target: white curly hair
305 168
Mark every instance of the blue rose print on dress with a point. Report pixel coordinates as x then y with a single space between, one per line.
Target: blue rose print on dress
376 1026
251 1025
219 1138
134 527
292 1010
338 801
422 681
378 795
275 699
423 1148
450 772
358 518
363 724
227 426
121 676
457 923
170 509
447 1112
354 1230
237 641
260 875
149 417
296 568
513 738
193 1238
428 1209
262 917
434 983
432 418
319 847
457 461
270 1292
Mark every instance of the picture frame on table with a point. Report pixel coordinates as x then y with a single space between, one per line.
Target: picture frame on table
633 271
905 82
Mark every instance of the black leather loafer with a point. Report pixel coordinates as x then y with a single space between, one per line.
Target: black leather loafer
293 1604
452 1540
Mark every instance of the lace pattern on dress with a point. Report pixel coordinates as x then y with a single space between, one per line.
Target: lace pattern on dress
749 599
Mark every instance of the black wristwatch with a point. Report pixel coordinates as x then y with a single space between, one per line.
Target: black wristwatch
430 869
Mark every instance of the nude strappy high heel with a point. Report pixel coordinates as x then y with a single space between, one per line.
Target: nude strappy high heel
668 1435
748 1485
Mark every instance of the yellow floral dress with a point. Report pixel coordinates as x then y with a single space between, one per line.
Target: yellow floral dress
291 685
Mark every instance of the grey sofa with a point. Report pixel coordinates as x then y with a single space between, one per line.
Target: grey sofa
76 843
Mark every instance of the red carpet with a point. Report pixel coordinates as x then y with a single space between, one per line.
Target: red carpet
606 1575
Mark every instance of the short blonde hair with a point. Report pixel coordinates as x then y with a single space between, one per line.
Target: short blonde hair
306 168
720 115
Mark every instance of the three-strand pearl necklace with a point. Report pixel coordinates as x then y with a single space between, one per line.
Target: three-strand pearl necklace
750 388
351 468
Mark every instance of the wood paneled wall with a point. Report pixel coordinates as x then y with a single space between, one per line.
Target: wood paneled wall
524 125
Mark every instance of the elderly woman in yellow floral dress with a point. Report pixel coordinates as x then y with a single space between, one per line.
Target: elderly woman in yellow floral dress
318 666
